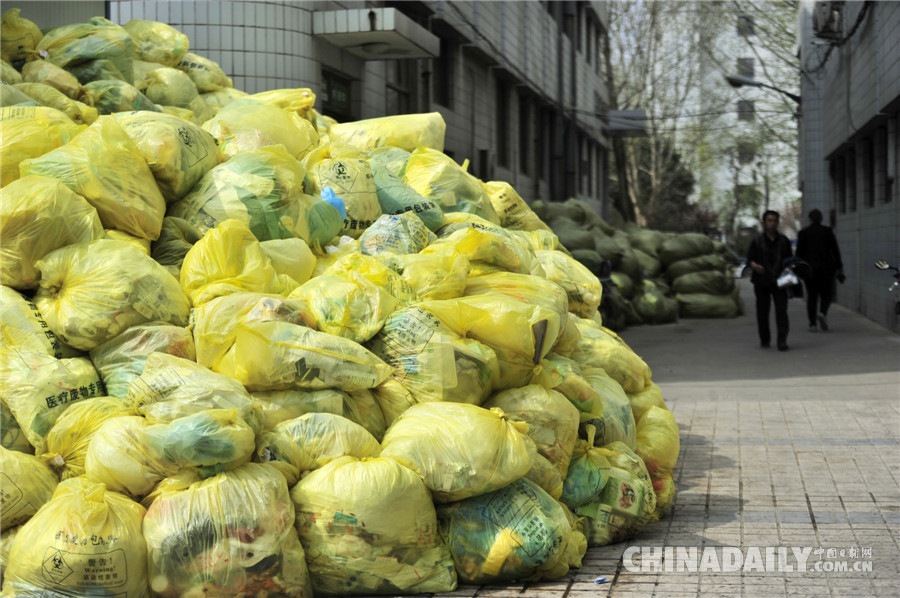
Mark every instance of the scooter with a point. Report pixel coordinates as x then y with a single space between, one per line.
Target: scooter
883 265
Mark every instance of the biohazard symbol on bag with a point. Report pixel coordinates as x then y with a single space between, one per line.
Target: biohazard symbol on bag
55 568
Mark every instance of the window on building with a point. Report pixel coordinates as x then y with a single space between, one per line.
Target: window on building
501 118
851 180
398 87
746 110
442 74
745 67
570 20
589 40
524 132
336 96
579 27
745 25
868 172
839 183
882 183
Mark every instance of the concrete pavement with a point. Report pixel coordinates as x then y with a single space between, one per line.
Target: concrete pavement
780 452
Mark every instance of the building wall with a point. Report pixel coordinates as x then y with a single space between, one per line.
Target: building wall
847 104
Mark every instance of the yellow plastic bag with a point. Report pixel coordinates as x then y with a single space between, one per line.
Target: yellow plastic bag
460 450
205 73
392 158
264 189
37 388
363 268
104 166
23 328
299 101
345 170
517 532
588 472
292 257
511 209
6 541
436 275
116 235
28 132
401 234
11 433
246 124
84 534
273 355
178 153
176 238
369 527
492 248
658 444
109 96
26 483
91 292
167 86
583 288
627 502
438 178
8 74
157 42
68 440
310 441
213 324
406 131
41 71
431 362
604 349
19 36
538 239
221 98
543 472
229 259
97 39
121 359
171 387
53 98
228 535
552 420
612 417
38 215
352 308
281 405
645 399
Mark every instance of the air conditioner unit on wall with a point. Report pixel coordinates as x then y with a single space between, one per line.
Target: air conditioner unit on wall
828 20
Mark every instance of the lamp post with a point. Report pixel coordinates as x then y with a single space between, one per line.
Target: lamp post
740 81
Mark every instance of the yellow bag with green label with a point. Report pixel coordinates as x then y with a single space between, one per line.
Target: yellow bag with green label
345 170
68 440
91 292
438 178
460 450
178 153
31 131
19 36
26 483
369 527
229 259
38 388
625 504
310 441
103 165
86 541
38 215
228 535
157 42
406 131
42 71
518 532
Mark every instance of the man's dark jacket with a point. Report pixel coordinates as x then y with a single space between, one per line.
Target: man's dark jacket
771 255
817 246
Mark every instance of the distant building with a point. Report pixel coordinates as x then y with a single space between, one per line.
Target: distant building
849 141
521 85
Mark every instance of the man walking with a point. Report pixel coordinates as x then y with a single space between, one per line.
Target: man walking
766 256
817 246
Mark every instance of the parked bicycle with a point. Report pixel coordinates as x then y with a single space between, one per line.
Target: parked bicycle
883 265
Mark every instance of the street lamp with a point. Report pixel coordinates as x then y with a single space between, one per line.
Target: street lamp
740 81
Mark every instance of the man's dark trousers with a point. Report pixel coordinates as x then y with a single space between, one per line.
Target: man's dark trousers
765 296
